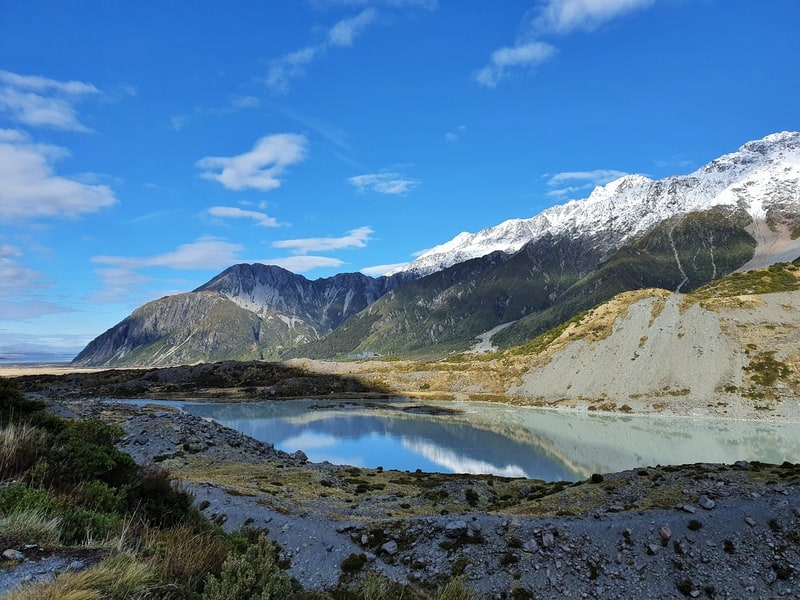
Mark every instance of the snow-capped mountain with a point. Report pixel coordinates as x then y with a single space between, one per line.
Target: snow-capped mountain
520 278
761 175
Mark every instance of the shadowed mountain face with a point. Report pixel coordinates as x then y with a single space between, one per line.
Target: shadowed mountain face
739 211
246 312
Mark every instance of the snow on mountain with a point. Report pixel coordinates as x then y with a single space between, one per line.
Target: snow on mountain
761 174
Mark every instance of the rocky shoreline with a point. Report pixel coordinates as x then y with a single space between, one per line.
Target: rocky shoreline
710 531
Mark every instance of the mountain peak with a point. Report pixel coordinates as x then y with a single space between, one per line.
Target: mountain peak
631 205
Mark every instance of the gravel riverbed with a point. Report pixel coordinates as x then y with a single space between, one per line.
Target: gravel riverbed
697 531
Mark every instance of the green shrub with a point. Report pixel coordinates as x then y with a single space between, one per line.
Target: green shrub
84 450
151 495
252 575
14 407
19 496
81 525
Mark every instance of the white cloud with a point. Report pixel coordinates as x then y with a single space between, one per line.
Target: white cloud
356 238
529 55
563 16
393 184
344 32
292 65
42 102
30 189
573 182
230 212
303 263
552 17
205 253
380 270
260 168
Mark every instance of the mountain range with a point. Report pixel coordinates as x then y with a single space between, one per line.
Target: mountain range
510 282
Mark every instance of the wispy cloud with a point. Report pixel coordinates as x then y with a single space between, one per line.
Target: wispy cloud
530 54
16 278
205 253
552 17
341 34
576 182
455 134
345 31
261 167
231 212
304 263
292 65
41 102
356 238
565 16
236 104
29 309
122 274
380 270
393 184
30 189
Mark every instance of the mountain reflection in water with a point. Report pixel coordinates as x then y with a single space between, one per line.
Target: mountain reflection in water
498 439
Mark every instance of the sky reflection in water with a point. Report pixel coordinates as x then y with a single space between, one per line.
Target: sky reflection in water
499 439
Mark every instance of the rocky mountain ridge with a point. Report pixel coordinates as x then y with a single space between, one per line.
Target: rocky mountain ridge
246 312
739 211
762 175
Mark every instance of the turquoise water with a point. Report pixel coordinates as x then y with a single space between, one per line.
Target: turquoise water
498 439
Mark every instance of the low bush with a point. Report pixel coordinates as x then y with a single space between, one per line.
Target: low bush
253 574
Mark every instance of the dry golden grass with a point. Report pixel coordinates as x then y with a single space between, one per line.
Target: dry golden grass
120 577
32 525
20 444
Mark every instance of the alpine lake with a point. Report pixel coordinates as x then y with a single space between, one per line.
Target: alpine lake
491 438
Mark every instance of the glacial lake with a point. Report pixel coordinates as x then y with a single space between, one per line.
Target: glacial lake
476 437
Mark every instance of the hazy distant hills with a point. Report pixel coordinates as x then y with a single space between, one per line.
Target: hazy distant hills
739 211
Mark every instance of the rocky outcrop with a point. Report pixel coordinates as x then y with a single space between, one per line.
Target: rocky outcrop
247 312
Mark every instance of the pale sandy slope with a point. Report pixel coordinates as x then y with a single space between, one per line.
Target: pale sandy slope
667 354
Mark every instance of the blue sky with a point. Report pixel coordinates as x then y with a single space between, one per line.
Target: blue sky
146 146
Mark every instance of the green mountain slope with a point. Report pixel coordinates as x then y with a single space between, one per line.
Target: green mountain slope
544 284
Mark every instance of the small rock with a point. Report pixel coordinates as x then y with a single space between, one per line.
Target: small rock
76 565
530 546
750 521
652 549
548 539
665 533
688 508
706 503
455 529
390 547
12 554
